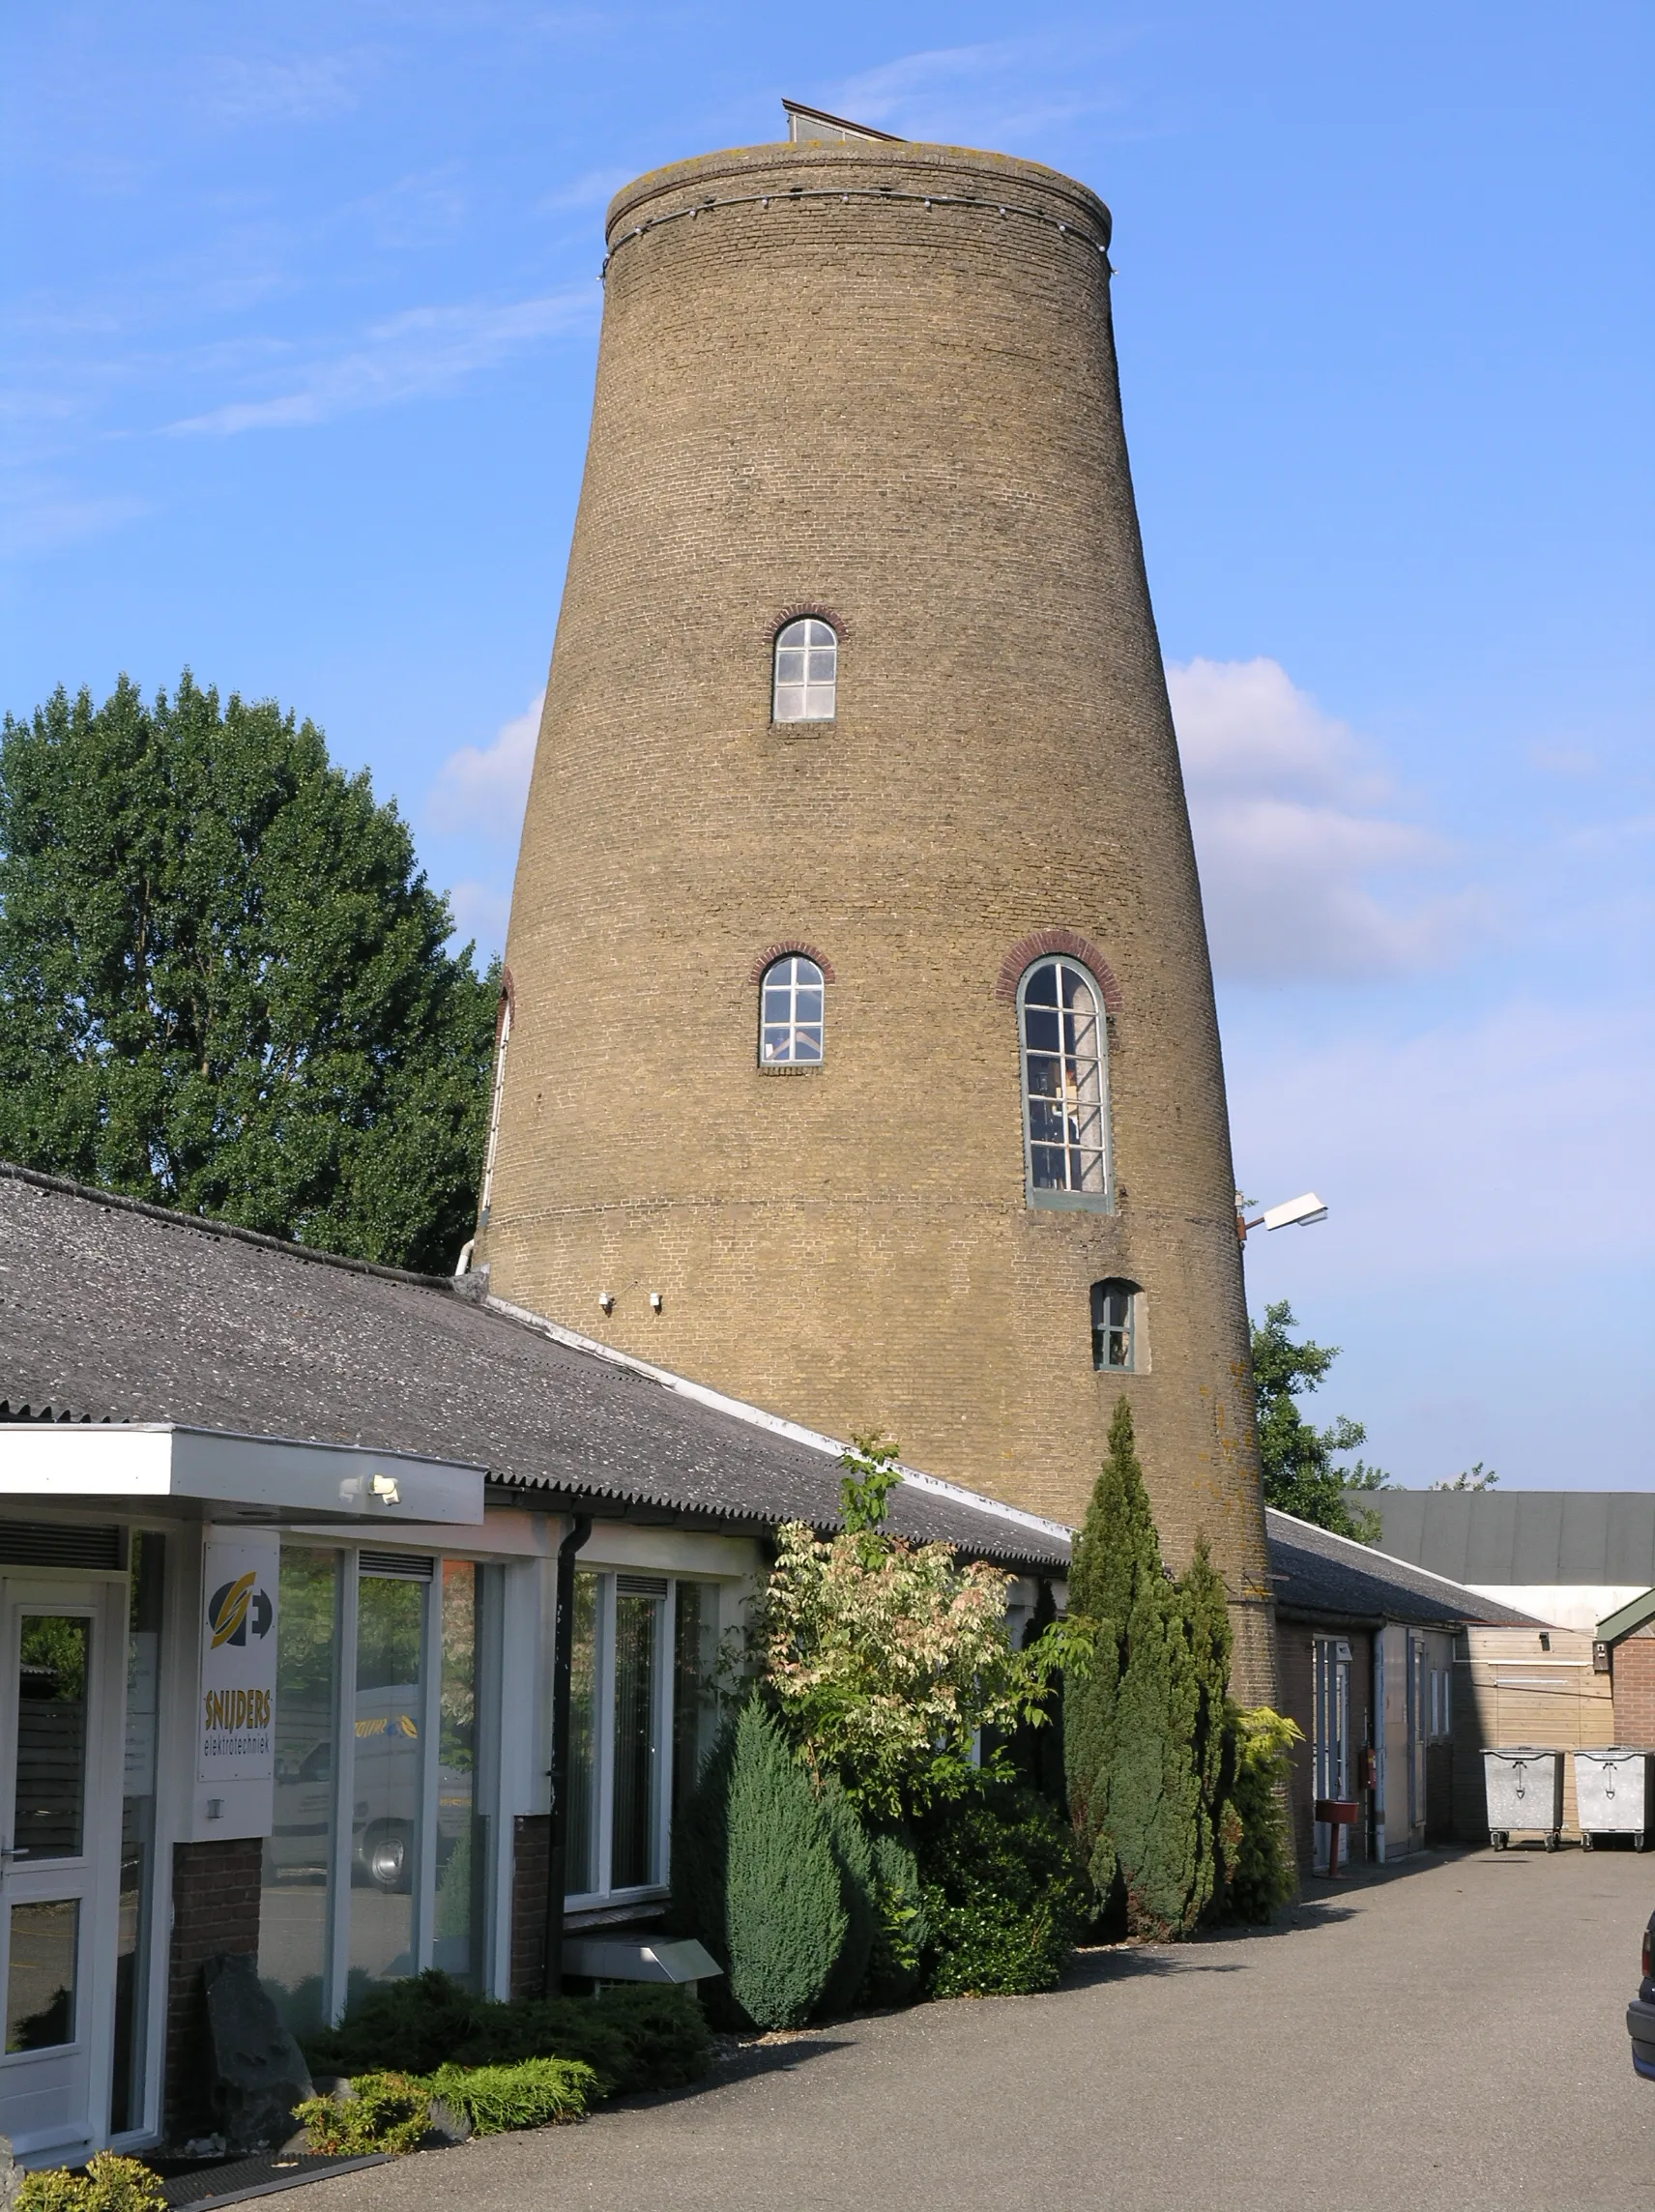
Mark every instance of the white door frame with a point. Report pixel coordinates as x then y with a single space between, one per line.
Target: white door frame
82 2067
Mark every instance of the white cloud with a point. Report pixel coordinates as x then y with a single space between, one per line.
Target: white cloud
483 787
423 351
1306 868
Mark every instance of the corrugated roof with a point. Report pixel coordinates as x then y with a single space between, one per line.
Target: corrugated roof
1331 1577
112 1311
1539 1537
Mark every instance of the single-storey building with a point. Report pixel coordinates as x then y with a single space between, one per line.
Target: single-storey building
1383 1666
283 1541
1570 1557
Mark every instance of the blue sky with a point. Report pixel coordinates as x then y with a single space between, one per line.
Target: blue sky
299 313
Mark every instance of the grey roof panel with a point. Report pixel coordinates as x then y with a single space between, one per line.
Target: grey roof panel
116 1312
1541 1537
1333 1578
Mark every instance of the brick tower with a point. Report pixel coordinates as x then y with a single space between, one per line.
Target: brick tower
862 1055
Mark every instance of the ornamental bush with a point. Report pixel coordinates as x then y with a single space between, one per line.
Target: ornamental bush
534 2093
1257 1850
1006 1893
854 1854
385 2112
109 2184
784 1906
902 1925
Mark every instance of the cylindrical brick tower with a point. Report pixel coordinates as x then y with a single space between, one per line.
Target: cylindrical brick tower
873 388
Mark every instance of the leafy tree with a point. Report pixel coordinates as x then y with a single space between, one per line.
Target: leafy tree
224 982
1470 1478
1296 1458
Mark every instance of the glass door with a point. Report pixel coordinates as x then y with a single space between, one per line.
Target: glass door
59 1859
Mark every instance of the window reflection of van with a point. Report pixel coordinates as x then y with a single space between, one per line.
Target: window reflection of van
386 1813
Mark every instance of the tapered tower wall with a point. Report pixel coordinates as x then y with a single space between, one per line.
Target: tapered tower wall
840 379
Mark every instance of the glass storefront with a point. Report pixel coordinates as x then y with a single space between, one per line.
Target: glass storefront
299 1852
145 1585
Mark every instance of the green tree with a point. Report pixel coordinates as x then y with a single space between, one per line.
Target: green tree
224 983
1144 1720
1296 1458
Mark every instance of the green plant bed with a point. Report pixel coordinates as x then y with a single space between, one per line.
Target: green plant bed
387 2112
648 2037
531 2094
109 2184
1005 1894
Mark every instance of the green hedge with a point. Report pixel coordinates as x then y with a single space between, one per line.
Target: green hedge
1006 1892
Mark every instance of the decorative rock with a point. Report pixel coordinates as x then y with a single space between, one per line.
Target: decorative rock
11 2176
259 2072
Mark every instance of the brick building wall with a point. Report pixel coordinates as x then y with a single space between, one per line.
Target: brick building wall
531 1842
214 1908
1632 1673
931 455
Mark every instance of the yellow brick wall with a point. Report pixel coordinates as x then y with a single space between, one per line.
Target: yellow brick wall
907 417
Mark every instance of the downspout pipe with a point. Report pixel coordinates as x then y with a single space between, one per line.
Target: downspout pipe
562 1676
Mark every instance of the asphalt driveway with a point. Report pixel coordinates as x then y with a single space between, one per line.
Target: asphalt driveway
1446 2036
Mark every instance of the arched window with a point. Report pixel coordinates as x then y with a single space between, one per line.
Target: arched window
790 1013
1115 1325
806 673
1065 1091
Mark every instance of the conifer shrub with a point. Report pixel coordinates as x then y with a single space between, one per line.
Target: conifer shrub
110 2184
385 2112
643 2037
534 2093
784 1908
854 1854
1256 1847
1006 1893
902 1924
1144 1733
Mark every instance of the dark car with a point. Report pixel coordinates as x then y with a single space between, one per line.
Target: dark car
1640 2012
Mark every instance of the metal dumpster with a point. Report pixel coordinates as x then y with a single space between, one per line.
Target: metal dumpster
1526 1791
1613 1794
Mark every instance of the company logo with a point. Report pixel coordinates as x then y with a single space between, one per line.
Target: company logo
235 1608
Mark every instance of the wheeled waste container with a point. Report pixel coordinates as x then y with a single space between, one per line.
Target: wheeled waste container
1612 1793
1526 1791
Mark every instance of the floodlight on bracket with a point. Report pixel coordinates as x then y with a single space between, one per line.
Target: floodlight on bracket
1291 1213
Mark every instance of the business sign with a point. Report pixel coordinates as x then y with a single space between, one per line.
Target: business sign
239 1585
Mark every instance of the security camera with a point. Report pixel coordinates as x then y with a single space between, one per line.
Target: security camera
1295 1212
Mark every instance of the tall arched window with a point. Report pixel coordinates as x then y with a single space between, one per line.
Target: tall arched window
790 1013
806 673
1065 1087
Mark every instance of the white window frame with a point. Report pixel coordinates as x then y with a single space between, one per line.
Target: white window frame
809 697
496 1096
1131 1363
793 1028
1101 1201
608 1580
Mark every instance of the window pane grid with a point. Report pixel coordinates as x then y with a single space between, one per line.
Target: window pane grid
806 673
792 1008
1063 1080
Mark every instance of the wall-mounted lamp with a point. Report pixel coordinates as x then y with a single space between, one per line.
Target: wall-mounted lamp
386 1491
655 1301
606 1300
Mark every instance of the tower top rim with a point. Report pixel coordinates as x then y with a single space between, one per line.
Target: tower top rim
905 164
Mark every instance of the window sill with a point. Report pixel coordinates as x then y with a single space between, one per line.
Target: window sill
790 1068
1069 1201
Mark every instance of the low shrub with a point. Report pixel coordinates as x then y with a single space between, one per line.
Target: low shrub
643 2037
109 2184
531 2094
386 2112
1006 1892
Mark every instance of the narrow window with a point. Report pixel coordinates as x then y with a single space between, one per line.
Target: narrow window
790 1013
806 673
498 1092
1114 1325
1065 1096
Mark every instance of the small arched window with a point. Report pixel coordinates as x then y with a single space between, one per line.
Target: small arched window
791 1012
1115 1325
806 673
1065 1089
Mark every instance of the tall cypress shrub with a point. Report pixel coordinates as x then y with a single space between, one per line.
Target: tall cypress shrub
784 1905
1144 1729
854 1854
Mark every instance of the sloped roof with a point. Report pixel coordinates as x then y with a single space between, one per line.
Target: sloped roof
1627 1619
1544 1538
1328 1576
113 1311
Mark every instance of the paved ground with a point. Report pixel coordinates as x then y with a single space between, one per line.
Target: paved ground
1451 2036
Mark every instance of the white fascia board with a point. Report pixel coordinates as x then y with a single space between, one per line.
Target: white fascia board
218 1471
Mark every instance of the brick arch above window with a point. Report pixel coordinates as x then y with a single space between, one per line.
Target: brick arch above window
780 952
802 610
1040 946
